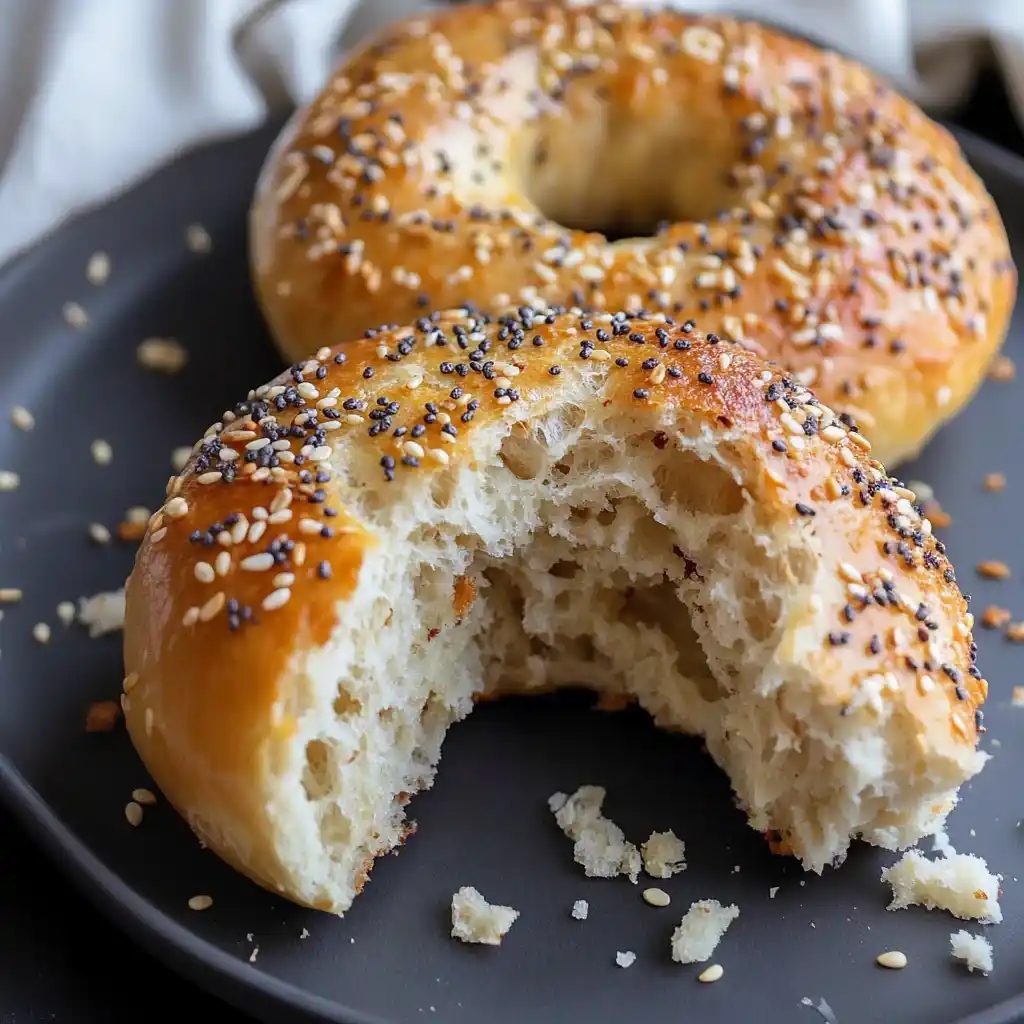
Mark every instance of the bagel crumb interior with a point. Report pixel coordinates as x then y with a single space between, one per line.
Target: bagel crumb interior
594 550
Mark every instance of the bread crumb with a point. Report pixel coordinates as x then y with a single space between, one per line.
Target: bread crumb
22 418
974 950
1018 697
1015 632
580 910
599 844
102 716
102 453
102 613
701 930
1002 369
626 959
197 238
936 514
97 270
961 884
9 481
304 934
66 612
663 855
772 892
995 617
993 569
476 920
994 482
163 355
941 843
75 315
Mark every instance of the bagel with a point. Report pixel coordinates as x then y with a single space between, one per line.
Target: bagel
790 202
471 506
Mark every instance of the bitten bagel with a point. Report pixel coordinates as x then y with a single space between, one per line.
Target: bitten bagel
462 507
476 155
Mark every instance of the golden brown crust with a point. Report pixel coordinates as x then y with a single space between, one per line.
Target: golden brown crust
210 650
859 249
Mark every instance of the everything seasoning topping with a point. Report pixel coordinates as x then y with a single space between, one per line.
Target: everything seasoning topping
265 536
838 209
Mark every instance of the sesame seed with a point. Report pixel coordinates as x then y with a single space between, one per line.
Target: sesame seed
310 527
144 796
9 481
711 974
22 418
74 315
191 616
97 270
656 897
176 508
993 570
284 579
212 607
10 595
162 355
204 571
276 599
133 812
211 477
130 681
893 959
200 902
41 633
258 563
99 533
102 453
66 612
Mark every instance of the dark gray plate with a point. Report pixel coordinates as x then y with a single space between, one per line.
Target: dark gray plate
486 822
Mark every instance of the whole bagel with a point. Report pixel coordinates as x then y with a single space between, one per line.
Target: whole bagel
467 506
475 156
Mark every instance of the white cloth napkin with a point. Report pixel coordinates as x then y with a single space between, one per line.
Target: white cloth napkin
95 94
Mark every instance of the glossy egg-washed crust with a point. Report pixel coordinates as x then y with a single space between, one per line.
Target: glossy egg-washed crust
214 641
854 246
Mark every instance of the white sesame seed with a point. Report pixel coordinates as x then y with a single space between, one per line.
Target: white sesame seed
9 481
147 721
204 571
41 633
850 573
321 453
925 684
133 812
257 563
833 433
200 902
860 441
191 616
282 499
284 579
413 448
10 595
257 530
130 681
211 477
144 796
227 455
74 315
176 508
310 527
239 530
438 455
99 533
97 270
656 897
282 515
893 959
307 390
276 599
260 442
212 607
102 453
22 418
724 361
66 612
162 355
711 974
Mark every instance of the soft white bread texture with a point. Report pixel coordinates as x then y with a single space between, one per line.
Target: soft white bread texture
960 883
974 950
476 920
464 508
701 930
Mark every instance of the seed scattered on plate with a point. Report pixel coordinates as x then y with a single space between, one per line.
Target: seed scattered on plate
993 569
75 316
9 481
10 595
656 897
626 959
712 973
200 902
1015 632
22 418
180 457
197 238
1018 697
994 482
66 612
144 796
102 716
41 633
97 270
133 812
102 453
163 355
893 959
99 533
994 617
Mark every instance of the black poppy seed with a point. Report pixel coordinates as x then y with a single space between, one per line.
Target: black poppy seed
805 510
410 460
324 570
650 363
979 720
779 446
554 370
838 639
705 378
641 393
875 645
368 372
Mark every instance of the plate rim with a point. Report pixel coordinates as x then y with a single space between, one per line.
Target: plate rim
191 957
